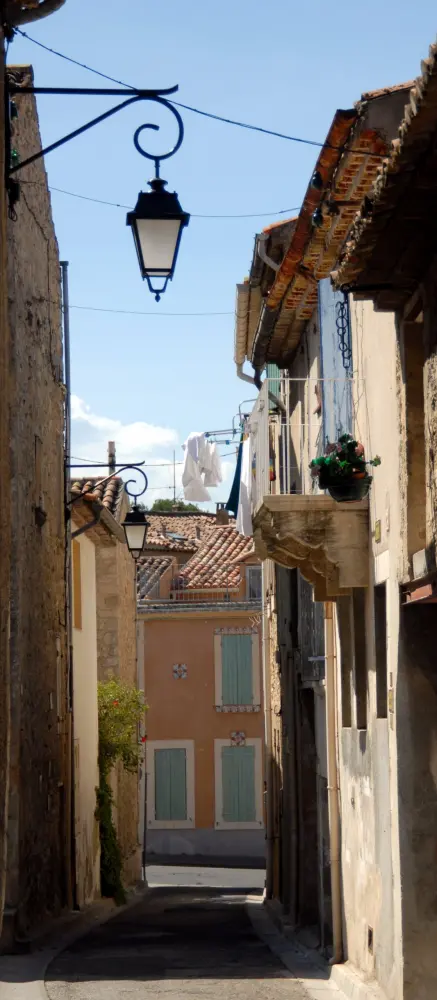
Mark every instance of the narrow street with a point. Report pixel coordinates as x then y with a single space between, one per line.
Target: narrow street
189 939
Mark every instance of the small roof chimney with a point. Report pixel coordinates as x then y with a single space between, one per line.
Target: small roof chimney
111 457
222 515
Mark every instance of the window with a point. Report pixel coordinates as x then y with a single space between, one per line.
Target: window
381 649
238 784
253 583
344 619
170 784
77 585
360 656
237 681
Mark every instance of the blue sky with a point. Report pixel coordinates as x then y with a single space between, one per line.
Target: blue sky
147 381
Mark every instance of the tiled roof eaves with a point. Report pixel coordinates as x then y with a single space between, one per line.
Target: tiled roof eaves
166 608
327 162
110 492
106 522
326 165
418 123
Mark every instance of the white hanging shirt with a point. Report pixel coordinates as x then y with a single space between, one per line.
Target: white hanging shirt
197 461
214 476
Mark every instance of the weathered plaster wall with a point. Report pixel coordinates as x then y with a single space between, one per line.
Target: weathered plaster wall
39 783
417 769
184 709
86 737
116 633
368 757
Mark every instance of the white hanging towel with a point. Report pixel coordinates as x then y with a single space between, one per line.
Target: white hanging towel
197 460
244 515
214 475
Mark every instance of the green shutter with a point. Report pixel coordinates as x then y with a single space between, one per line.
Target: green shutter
238 780
237 687
274 375
170 784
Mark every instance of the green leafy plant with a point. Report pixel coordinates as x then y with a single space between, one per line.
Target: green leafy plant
343 460
121 712
166 506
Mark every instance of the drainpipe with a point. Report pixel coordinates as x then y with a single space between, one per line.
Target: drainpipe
333 784
257 381
261 241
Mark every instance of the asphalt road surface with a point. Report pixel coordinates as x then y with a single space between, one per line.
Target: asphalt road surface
190 937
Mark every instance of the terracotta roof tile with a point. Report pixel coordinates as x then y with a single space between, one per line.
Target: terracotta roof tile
415 131
178 532
110 494
217 563
149 572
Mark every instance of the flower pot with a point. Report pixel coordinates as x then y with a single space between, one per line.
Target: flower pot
350 490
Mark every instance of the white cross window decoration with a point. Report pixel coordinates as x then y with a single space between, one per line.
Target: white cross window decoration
180 671
238 738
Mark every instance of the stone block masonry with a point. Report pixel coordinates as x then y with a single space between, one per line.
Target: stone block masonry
37 873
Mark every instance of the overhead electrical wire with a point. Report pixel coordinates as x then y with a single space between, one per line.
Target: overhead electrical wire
194 215
204 114
137 312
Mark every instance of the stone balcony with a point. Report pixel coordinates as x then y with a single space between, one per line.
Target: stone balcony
327 541
294 524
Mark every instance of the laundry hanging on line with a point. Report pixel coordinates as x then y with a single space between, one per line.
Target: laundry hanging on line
244 515
202 467
234 496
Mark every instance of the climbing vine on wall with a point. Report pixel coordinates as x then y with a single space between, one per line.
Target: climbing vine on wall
121 717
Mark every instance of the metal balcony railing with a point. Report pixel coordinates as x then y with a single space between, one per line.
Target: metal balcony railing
291 423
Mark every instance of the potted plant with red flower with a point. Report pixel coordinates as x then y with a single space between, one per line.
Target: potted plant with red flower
343 469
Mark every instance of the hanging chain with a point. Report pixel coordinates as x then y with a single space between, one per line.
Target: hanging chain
343 331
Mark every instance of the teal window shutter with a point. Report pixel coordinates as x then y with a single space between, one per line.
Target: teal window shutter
237 680
171 784
273 373
238 780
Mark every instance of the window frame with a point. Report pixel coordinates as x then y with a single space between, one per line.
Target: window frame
173 824
249 568
218 670
219 822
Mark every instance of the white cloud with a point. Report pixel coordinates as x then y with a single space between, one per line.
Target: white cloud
135 441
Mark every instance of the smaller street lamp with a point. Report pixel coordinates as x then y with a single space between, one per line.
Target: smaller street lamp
135 524
135 528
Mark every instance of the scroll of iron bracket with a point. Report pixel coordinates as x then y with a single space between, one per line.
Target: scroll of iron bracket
131 97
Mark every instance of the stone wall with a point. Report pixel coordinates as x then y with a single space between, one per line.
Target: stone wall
37 874
116 640
5 505
369 735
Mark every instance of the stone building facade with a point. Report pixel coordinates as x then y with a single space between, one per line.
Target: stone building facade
38 862
12 12
348 318
116 649
200 630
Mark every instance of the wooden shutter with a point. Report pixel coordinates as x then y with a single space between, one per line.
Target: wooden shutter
171 784
237 678
238 783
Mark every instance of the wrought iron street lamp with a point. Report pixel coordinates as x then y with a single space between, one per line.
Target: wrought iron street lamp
135 524
135 529
158 219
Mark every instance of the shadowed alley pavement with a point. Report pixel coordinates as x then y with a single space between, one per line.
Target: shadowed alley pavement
190 940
